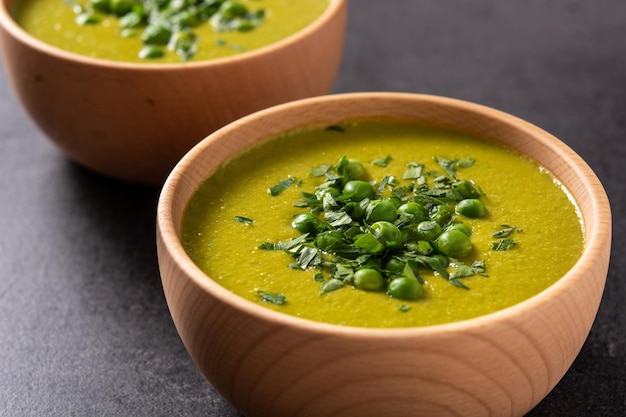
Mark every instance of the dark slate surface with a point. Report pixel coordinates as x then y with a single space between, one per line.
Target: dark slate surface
84 328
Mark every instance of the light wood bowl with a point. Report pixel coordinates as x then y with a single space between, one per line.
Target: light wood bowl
135 121
272 365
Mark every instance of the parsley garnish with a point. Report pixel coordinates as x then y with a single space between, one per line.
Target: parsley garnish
382 162
331 285
414 171
281 186
506 231
342 236
168 24
244 220
268 297
505 243
321 170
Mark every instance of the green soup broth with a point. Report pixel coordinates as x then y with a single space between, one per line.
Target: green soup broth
54 22
517 192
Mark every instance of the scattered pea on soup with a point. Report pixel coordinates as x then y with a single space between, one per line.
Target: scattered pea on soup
378 223
164 31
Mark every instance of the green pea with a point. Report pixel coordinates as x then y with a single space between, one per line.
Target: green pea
441 214
429 230
304 222
151 52
368 279
454 243
156 34
405 288
380 210
350 168
358 190
460 226
397 202
413 212
394 266
387 234
471 207
424 247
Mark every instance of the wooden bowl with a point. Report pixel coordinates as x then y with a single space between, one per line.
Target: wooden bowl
272 365
135 121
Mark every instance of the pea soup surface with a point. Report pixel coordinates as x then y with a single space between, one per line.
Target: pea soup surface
54 22
548 238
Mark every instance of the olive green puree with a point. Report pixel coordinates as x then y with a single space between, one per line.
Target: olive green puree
517 191
53 22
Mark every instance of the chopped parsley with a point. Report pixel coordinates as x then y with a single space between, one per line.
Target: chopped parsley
382 162
244 220
268 297
281 186
380 235
505 243
169 24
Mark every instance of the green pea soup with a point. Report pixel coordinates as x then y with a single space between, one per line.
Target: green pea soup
54 22
518 192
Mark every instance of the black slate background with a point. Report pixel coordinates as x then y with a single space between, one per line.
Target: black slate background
84 328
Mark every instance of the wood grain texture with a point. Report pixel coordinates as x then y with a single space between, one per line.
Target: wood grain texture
135 121
273 365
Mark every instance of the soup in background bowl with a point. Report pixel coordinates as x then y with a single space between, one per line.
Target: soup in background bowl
267 363
134 121
168 31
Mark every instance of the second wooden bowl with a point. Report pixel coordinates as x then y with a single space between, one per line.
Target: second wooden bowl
135 121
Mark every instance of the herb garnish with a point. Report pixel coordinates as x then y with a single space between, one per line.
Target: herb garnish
281 186
244 220
505 243
382 162
378 236
268 297
506 231
168 24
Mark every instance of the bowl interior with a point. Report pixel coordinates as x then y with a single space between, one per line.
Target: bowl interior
8 23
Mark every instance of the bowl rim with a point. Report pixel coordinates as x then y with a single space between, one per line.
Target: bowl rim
16 31
595 239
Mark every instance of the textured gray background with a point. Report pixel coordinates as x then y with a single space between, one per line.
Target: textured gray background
84 328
